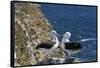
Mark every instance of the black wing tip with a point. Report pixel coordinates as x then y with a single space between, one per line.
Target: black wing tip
73 45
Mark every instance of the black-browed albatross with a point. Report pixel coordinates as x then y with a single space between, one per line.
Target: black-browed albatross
50 46
68 46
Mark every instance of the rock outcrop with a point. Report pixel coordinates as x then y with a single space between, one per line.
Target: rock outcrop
32 28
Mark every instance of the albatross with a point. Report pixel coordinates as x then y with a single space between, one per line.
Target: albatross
68 46
50 46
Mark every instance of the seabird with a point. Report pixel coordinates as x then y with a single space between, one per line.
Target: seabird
50 46
68 46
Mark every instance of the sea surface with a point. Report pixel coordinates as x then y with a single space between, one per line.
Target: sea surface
80 21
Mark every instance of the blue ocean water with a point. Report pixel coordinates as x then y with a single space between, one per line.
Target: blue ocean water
80 21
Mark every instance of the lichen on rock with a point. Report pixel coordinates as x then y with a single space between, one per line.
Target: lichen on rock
32 28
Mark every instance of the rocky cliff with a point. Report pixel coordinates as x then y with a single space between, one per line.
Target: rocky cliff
32 28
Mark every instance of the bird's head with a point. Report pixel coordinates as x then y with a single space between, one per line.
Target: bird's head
54 35
67 35
53 32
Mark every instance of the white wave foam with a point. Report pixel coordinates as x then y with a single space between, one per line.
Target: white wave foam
84 40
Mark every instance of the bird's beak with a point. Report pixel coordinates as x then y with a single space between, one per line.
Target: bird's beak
57 34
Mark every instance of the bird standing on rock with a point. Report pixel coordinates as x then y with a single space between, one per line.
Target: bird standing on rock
68 46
